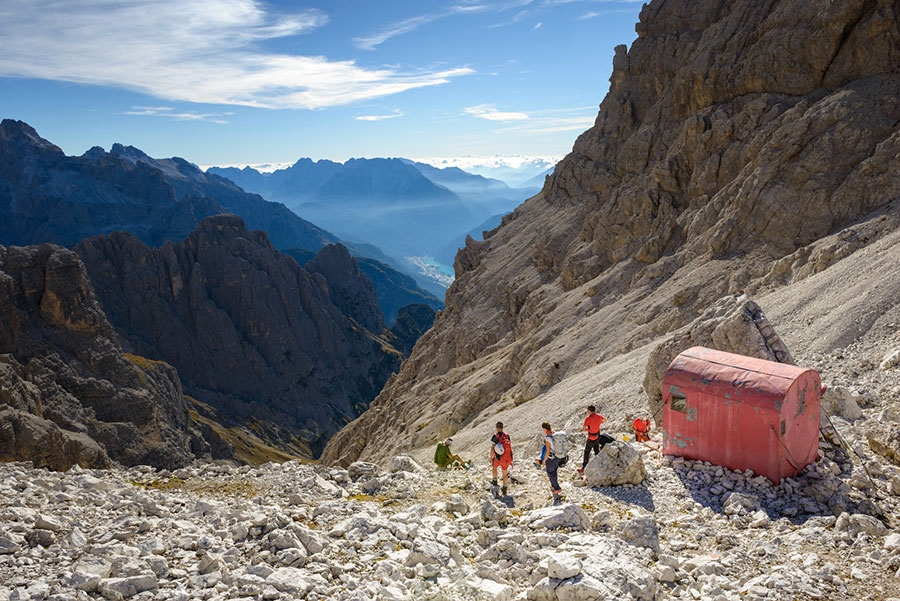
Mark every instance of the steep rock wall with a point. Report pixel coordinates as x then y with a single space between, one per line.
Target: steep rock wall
734 136
251 332
68 394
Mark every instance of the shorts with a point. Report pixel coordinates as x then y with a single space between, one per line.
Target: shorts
503 462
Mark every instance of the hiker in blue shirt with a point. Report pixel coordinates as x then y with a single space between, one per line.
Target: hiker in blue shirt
549 460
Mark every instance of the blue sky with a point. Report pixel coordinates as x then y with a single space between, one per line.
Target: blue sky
234 82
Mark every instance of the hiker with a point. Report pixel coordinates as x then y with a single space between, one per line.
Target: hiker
592 424
503 460
549 460
641 427
444 458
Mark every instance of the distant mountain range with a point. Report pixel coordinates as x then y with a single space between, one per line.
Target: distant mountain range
46 196
404 207
514 171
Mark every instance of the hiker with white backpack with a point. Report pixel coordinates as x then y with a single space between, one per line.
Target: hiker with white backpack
554 454
500 457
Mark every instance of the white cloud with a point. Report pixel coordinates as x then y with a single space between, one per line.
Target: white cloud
393 115
408 25
169 112
486 111
203 51
550 125
538 123
395 29
492 161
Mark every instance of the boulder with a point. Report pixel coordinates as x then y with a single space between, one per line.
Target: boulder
404 463
641 531
841 401
617 463
884 439
891 360
734 324
566 516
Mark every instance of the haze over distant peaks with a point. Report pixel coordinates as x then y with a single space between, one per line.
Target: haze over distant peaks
513 170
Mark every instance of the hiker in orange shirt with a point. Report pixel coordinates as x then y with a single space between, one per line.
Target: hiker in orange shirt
502 460
641 429
592 424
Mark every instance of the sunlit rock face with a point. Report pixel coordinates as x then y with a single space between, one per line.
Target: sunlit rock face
737 142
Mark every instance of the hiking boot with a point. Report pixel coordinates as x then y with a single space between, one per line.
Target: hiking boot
503 491
494 482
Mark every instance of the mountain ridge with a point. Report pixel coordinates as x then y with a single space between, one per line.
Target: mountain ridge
44 195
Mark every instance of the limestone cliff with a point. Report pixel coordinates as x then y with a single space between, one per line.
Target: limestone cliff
349 290
68 394
734 136
251 333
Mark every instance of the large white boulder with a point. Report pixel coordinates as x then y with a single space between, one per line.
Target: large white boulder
618 463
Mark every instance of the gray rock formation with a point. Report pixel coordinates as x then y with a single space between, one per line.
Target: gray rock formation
251 332
734 324
349 290
394 289
69 395
412 322
734 136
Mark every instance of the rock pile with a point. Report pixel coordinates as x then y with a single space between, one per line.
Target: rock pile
301 531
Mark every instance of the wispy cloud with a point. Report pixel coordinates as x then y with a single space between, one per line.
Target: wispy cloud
170 113
602 13
486 111
551 122
203 51
405 26
392 115
396 29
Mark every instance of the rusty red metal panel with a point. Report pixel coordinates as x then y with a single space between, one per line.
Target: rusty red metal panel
741 412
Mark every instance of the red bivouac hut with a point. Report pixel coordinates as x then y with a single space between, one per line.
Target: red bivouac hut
741 412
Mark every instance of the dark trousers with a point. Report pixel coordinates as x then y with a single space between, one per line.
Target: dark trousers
552 465
591 445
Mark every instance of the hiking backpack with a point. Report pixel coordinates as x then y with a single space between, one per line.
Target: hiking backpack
500 443
560 444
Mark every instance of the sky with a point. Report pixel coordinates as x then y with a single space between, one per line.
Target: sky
264 83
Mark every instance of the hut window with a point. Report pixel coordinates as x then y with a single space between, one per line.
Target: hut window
679 403
782 427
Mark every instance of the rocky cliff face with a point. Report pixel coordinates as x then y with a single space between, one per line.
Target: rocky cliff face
69 394
349 290
735 135
251 332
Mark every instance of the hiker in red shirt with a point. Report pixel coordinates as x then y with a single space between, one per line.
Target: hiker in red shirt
592 424
503 460
641 429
